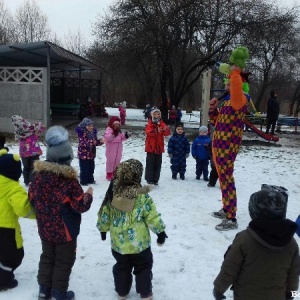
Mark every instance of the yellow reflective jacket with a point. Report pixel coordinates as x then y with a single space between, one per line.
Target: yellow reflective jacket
14 203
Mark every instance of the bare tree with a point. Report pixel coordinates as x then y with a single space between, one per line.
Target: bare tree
6 25
75 42
30 23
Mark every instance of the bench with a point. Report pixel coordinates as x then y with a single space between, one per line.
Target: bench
69 108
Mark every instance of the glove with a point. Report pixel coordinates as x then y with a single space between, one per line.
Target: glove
187 155
289 296
161 237
126 135
103 236
218 295
213 104
170 155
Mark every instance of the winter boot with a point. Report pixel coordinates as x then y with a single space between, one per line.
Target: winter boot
12 284
148 297
174 176
58 295
182 176
122 297
109 176
44 293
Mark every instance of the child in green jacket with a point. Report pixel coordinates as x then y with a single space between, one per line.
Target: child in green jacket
128 212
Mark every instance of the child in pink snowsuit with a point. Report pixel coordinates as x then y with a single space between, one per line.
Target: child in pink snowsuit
114 138
122 111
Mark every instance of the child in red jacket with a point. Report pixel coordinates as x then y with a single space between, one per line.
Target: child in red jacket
155 131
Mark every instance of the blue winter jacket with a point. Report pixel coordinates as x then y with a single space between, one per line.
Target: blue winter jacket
178 146
200 147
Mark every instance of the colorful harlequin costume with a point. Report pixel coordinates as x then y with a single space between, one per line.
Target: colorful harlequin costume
229 125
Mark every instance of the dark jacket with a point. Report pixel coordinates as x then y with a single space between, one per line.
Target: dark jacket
262 263
272 108
178 146
59 200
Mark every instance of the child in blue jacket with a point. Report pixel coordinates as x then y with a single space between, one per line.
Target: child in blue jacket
178 150
200 153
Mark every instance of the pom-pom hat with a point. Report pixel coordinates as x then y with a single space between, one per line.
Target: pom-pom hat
10 165
59 149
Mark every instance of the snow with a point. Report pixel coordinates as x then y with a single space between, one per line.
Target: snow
186 265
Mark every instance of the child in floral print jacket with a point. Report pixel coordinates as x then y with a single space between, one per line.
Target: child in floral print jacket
128 212
87 142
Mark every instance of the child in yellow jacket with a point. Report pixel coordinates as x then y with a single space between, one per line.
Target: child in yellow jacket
14 204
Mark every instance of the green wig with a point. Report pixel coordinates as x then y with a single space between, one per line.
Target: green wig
239 56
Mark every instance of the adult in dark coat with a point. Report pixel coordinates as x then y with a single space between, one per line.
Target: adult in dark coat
272 111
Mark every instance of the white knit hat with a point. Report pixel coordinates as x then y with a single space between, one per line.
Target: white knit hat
203 129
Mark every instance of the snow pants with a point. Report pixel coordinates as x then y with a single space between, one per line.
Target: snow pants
153 167
202 167
28 167
10 256
87 168
141 264
56 264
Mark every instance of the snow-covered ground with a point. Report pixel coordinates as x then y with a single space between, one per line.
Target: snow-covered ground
185 267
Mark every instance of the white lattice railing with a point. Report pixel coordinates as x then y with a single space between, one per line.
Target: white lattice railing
21 75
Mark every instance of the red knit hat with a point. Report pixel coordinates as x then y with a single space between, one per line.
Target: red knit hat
112 120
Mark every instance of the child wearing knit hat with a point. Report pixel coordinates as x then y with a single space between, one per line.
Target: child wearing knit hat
114 139
14 204
263 260
59 200
200 152
87 142
155 130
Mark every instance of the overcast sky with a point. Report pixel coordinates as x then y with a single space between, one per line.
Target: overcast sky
69 15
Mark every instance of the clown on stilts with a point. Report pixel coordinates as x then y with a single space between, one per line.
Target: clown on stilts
228 120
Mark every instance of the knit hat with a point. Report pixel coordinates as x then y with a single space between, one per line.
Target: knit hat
59 149
179 124
10 165
113 120
155 120
268 205
203 129
85 122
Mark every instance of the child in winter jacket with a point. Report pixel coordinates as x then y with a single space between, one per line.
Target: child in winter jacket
13 204
122 111
155 131
59 200
87 142
200 153
113 138
263 260
27 134
128 212
178 150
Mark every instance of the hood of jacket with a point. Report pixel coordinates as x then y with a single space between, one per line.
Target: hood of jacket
272 234
64 170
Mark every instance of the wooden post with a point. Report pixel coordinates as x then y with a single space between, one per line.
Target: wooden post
206 86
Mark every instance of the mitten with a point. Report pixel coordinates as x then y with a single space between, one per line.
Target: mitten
187 155
103 236
126 135
218 295
161 237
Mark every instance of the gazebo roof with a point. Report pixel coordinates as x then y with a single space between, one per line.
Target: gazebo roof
35 54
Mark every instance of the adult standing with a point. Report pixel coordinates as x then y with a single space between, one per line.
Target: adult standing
229 126
272 111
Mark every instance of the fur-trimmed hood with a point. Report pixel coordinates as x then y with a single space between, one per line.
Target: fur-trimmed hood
64 170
